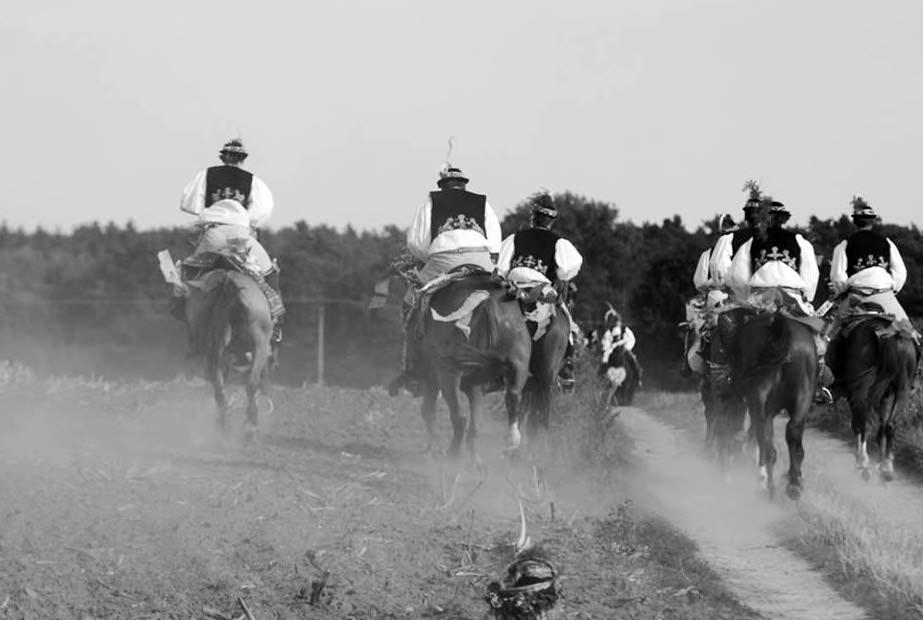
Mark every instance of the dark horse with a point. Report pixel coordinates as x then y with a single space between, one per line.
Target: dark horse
621 376
498 346
544 366
229 319
773 365
877 375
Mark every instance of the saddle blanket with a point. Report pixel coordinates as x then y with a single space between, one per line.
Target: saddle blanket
462 316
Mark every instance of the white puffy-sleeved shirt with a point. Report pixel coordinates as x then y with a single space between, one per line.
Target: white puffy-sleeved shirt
720 260
420 239
894 277
741 277
566 257
612 335
259 204
701 277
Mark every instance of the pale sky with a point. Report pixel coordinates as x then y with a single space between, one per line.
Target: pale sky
110 107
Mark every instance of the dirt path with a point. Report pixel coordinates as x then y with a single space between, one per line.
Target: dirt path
738 533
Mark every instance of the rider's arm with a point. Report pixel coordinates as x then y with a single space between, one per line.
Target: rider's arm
492 226
838 276
506 255
260 205
739 273
700 277
418 237
568 260
720 262
898 269
193 200
628 338
809 271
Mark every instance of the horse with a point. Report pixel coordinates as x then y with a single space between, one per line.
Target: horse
498 347
544 367
773 365
877 375
621 378
229 318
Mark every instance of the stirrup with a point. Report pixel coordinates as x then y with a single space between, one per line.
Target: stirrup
823 396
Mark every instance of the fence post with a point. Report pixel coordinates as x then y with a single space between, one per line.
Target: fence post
320 343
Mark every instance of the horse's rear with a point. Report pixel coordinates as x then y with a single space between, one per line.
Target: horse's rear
545 364
774 366
496 348
230 319
878 372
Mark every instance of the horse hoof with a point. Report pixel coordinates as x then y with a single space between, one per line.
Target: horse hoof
793 491
865 473
887 475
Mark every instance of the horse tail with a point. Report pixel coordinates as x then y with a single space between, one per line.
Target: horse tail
220 316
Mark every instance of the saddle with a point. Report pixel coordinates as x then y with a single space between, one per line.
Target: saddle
461 315
195 270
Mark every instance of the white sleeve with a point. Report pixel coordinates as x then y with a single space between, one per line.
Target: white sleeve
700 277
260 205
739 272
629 337
418 238
506 255
838 276
898 269
193 200
492 224
606 343
809 271
568 260
720 261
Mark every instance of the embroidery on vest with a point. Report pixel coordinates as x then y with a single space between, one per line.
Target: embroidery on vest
461 222
531 262
774 254
228 193
871 261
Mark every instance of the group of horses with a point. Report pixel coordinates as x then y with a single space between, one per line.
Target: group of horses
772 366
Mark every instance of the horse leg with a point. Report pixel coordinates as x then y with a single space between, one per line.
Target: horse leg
858 406
474 394
515 383
216 378
794 432
762 426
428 411
449 383
255 380
886 432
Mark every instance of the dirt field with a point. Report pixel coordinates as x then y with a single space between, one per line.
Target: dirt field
121 501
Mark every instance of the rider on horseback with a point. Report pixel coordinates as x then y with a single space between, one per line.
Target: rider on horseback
232 204
618 335
452 229
777 269
536 258
866 268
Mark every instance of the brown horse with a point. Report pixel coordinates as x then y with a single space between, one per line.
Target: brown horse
773 365
229 319
498 347
544 366
877 375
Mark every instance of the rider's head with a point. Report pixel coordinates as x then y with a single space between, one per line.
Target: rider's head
727 224
754 195
863 215
612 318
543 211
451 178
778 214
233 152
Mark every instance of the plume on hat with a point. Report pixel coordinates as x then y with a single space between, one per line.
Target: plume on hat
754 193
862 209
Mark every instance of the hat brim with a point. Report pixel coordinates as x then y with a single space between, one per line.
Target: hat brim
442 182
545 211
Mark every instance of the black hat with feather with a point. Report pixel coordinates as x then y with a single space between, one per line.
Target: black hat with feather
754 194
861 210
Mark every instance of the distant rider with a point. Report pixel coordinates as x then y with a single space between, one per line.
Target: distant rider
866 268
231 204
618 335
537 257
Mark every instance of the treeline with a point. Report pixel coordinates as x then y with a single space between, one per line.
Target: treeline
93 301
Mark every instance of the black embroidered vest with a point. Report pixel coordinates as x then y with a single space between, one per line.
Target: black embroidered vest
778 245
456 209
740 237
227 182
535 248
866 249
